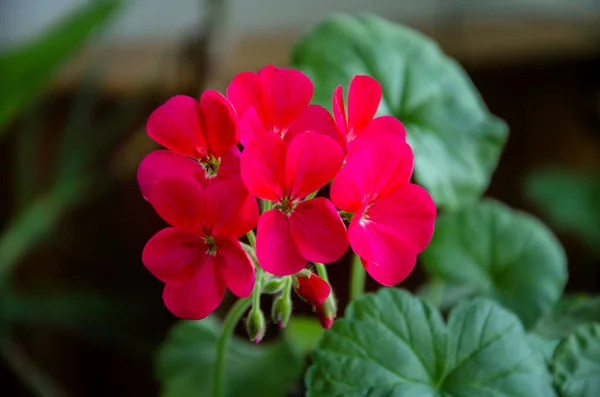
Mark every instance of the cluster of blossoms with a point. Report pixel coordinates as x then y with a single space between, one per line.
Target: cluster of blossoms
206 189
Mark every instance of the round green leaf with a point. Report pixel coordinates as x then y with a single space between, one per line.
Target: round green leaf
576 363
184 364
568 314
455 139
509 256
393 344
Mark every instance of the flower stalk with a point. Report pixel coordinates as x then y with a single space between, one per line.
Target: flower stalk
233 317
357 278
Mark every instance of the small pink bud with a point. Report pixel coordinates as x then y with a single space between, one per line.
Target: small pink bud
282 310
256 325
325 319
311 288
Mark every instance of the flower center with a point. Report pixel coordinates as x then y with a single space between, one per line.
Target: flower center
211 165
364 218
351 135
211 245
286 205
280 131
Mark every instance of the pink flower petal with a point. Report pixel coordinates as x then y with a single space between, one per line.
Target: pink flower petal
230 210
379 127
275 247
317 119
339 111
382 165
236 267
348 189
262 166
312 161
176 126
179 201
392 268
218 122
230 165
318 231
174 255
287 93
200 296
408 212
250 125
363 100
387 258
162 164
245 92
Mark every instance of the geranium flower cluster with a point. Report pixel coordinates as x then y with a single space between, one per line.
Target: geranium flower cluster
206 189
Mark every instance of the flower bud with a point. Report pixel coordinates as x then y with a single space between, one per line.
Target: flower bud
326 313
256 325
282 310
311 288
273 285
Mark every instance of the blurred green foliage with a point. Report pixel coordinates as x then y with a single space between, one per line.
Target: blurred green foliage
455 139
570 201
185 363
506 255
27 69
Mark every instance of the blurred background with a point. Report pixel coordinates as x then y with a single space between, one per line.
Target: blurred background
79 314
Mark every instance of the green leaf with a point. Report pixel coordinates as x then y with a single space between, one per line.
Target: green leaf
303 333
576 363
455 139
508 255
394 344
445 296
543 345
184 364
568 314
27 69
570 201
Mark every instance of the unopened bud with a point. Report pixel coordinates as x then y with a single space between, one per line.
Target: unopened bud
326 313
282 310
311 288
273 285
255 325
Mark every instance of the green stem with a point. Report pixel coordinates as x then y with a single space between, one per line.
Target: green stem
312 195
357 278
266 205
233 317
251 238
250 251
257 288
321 271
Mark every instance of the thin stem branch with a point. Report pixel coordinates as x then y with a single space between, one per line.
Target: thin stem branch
233 317
357 278
321 271
251 238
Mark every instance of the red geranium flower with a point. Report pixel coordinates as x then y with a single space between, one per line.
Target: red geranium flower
295 231
200 254
364 97
277 100
201 138
393 219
